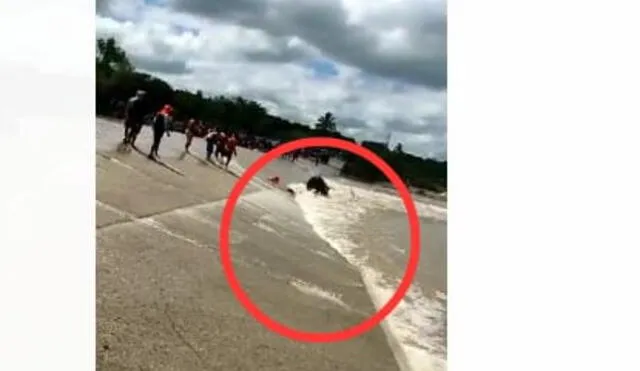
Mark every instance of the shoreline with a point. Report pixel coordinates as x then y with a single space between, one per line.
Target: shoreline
386 187
381 257
162 300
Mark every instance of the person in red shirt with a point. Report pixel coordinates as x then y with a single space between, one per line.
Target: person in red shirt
220 143
161 125
229 149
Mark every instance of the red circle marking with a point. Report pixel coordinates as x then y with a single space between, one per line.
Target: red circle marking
241 295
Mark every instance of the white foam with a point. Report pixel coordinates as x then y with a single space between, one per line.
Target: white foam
398 249
323 254
387 199
265 227
331 220
319 292
417 322
162 228
425 348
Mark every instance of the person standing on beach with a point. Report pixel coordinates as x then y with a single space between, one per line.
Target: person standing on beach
211 138
134 113
317 157
161 123
294 155
229 149
220 142
189 129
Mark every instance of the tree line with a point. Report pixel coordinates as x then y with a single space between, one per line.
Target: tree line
416 171
117 80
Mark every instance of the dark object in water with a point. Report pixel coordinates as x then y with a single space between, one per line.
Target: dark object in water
291 191
318 185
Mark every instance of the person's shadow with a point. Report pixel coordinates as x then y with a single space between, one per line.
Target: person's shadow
160 162
201 161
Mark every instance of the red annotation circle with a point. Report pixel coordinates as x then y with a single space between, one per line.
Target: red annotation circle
241 295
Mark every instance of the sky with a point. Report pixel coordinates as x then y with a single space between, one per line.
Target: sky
379 65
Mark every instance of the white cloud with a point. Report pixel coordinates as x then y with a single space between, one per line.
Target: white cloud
228 57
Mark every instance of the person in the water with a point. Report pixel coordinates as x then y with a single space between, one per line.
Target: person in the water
318 185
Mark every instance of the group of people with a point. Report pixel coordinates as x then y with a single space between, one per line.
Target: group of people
315 155
293 155
218 143
135 116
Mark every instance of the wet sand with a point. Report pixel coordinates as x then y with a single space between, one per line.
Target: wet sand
162 300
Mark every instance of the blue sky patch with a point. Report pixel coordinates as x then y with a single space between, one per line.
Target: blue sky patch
323 68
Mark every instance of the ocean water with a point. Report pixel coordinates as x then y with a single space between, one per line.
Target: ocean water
370 230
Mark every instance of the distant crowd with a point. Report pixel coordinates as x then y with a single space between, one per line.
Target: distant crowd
220 141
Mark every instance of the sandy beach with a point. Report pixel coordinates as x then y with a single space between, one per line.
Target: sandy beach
162 300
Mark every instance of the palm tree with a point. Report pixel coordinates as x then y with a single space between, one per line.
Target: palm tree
326 122
398 148
110 57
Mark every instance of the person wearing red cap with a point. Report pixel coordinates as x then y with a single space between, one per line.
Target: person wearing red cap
161 123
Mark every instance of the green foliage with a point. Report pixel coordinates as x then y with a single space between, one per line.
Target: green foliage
398 148
117 81
326 123
111 58
416 171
